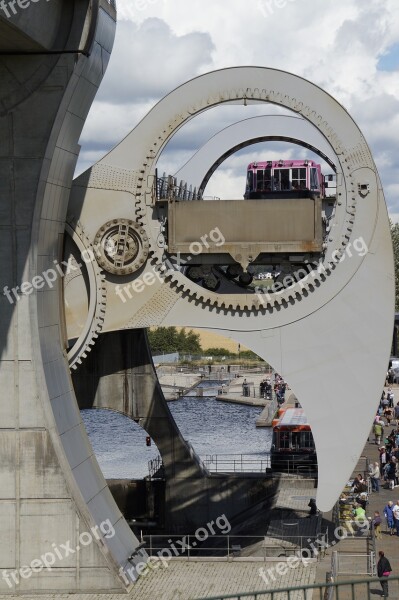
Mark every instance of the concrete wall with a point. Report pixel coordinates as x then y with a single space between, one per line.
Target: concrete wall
51 487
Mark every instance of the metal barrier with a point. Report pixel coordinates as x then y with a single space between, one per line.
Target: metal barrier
236 463
374 552
246 463
167 188
364 589
238 547
155 467
362 563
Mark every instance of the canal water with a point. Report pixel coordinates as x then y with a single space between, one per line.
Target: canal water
211 426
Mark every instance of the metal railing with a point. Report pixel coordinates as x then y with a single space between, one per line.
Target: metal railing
363 589
373 552
155 467
246 463
228 547
236 463
360 563
168 188
272 408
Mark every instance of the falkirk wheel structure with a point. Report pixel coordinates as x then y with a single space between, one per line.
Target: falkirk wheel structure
74 336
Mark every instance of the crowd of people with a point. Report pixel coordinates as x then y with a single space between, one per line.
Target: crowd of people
387 468
278 385
386 471
383 472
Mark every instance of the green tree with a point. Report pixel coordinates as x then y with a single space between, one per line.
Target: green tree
166 340
248 354
217 352
163 340
395 244
191 344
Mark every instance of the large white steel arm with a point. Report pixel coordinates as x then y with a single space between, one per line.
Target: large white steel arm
330 334
250 131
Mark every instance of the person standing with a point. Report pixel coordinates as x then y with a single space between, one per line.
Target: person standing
397 413
377 432
375 477
376 524
395 512
384 570
390 471
388 514
390 397
383 458
313 507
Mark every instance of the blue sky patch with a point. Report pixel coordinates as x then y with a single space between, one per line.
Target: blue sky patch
390 60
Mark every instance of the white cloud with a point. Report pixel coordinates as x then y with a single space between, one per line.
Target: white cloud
337 44
149 60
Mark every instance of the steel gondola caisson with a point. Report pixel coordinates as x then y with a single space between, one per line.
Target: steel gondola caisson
292 445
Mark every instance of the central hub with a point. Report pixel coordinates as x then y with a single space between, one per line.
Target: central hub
121 246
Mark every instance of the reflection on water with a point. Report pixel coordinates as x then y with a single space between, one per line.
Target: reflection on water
211 426
119 444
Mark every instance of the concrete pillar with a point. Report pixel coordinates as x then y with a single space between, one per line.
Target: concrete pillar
52 59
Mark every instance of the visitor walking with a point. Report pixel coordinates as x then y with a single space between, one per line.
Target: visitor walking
375 476
376 525
377 432
388 514
384 570
395 512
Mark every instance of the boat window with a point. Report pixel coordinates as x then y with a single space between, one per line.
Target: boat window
314 185
259 180
299 179
284 439
307 439
282 179
250 180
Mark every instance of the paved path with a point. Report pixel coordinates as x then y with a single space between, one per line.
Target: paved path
192 580
377 501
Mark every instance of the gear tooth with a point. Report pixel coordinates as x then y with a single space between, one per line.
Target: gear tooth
95 326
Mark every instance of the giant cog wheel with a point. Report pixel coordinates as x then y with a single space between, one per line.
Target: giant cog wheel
87 277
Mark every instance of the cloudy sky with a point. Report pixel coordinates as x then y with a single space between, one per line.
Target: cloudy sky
348 47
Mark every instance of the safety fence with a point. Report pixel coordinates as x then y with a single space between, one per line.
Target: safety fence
236 463
203 544
364 589
156 468
346 563
167 187
267 464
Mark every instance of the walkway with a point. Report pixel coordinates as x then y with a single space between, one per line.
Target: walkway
190 580
377 501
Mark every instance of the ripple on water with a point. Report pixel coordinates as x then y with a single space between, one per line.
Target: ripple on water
212 427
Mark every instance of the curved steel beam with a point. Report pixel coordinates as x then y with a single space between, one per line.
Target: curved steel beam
286 128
